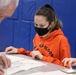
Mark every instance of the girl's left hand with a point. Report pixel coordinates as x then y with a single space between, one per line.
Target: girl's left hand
36 55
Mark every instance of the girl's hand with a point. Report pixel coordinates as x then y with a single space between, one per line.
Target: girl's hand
36 55
11 50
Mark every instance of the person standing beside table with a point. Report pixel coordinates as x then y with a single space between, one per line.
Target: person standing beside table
7 8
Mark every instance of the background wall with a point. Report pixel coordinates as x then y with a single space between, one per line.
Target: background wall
18 31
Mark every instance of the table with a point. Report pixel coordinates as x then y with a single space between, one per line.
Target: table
49 67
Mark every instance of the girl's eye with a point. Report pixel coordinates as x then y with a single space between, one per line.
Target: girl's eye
41 26
36 25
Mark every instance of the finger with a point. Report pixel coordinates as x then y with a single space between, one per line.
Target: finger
8 62
71 63
37 57
4 61
10 52
1 73
8 49
33 56
64 59
66 62
1 69
32 53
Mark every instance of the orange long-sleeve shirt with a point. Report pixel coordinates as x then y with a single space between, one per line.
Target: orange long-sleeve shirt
54 47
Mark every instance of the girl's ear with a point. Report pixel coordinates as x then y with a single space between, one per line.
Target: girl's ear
52 23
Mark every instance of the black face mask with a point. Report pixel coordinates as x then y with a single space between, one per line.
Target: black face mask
41 31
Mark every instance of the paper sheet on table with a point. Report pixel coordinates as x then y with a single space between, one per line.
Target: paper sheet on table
14 58
38 73
20 64
58 72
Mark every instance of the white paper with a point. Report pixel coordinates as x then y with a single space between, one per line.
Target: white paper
14 58
28 64
38 73
20 64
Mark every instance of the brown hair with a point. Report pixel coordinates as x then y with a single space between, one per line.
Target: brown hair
48 12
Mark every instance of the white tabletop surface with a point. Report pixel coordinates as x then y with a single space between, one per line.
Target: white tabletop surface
49 67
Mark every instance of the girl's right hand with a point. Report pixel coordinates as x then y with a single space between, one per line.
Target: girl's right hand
11 50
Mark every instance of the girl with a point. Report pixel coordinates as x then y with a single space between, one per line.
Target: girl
50 44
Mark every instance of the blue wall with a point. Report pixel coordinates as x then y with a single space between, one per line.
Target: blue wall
19 31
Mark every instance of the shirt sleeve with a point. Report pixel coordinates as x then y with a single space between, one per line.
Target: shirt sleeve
23 51
54 60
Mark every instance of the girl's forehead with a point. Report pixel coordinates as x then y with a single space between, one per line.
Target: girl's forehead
40 19
40 16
